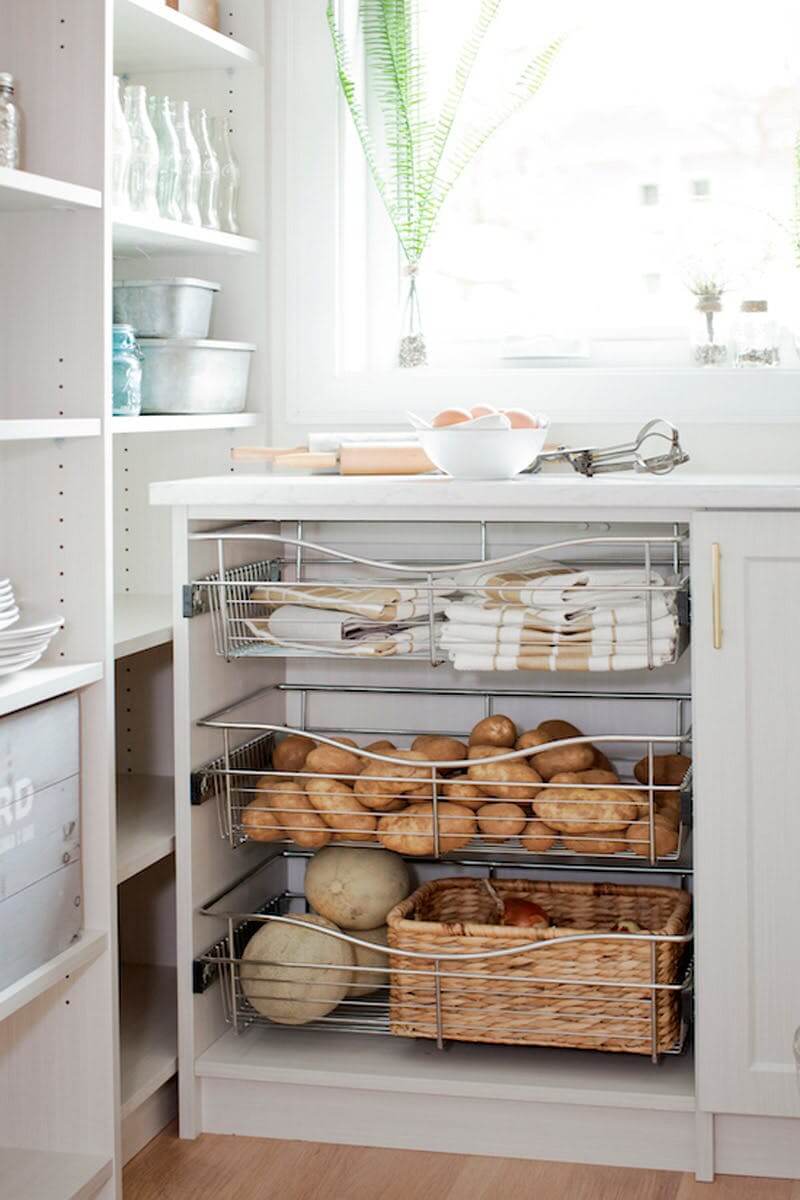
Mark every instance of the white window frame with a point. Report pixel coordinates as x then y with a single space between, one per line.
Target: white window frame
310 140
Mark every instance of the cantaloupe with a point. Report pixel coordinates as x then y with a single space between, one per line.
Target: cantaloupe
295 995
366 982
356 888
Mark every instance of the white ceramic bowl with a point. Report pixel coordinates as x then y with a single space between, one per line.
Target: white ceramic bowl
483 453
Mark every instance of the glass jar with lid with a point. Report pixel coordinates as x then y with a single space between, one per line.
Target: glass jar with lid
10 124
756 336
127 389
709 339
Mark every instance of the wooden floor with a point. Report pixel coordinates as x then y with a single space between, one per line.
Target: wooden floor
229 1168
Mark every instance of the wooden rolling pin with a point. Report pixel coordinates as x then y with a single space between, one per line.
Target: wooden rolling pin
385 459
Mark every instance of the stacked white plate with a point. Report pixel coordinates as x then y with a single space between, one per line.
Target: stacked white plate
22 642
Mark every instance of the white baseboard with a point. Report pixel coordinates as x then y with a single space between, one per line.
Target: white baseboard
149 1119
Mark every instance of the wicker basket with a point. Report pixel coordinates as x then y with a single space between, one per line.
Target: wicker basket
562 996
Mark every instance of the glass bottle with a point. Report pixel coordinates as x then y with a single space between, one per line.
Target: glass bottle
756 336
120 151
189 192
708 337
127 389
169 158
10 124
209 172
143 183
229 176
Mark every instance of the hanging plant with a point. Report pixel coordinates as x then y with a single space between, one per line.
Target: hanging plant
419 167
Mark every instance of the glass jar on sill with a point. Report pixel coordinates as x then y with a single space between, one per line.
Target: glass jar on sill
708 337
756 336
10 124
127 388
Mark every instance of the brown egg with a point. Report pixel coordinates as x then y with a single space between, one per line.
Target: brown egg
520 419
482 410
450 416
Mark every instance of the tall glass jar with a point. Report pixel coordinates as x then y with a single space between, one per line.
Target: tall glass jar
143 184
120 150
127 389
756 336
209 172
189 192
229 175
169 158
10 124
708 335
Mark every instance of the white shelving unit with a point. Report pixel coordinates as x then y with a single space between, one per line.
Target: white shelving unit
185 422
88 545
55 429
48 1175
22 191
140 623
145 822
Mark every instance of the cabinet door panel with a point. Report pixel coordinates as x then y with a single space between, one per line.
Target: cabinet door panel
747 811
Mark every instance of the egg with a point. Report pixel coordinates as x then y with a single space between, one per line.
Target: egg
450 416
520 418
482 410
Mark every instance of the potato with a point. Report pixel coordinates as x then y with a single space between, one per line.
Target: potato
668 769
459 789
383 786
328 760
537 837
558 730
411 832
595 775
574 778
340 809
567 758
595 846
532 737
494 731
382 746
601 762
259 822
295 813
513 780
290 753
439 749
665 837
501 820
586 810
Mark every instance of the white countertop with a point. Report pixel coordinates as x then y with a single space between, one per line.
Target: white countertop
436 497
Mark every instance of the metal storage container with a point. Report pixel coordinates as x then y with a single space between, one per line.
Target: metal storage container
195 376
165 308
40 872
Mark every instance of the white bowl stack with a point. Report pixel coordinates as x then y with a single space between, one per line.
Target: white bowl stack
22 644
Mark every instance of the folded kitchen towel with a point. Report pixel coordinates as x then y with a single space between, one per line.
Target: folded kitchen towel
294 627
385 603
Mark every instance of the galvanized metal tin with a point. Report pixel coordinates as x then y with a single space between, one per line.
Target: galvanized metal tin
195 376
165 308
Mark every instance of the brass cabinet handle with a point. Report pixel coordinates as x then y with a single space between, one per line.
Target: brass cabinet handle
716 602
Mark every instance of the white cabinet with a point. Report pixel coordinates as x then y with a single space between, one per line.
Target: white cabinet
747 810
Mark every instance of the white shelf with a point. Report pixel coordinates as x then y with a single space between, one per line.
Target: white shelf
136 234
22 191
186 422
48 1175
389 1064
42 683
148 1032
145 822
36 429
85 950
141 622
148 36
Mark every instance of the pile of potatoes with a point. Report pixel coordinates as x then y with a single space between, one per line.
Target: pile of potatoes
391 803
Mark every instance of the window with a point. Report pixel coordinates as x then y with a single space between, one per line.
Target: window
661 150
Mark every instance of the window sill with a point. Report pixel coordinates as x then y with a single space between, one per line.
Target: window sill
569 395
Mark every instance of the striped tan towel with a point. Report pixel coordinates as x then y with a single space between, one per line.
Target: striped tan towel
293 627
389 603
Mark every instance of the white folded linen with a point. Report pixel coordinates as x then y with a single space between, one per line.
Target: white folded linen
295 627
470 659
546 585
380 602
627 612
